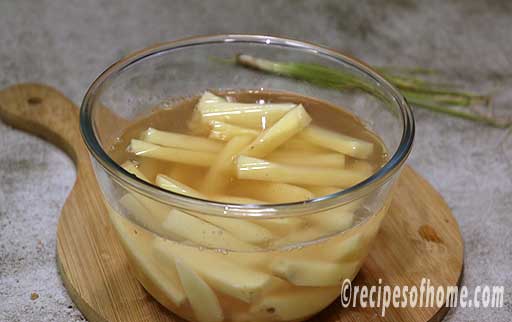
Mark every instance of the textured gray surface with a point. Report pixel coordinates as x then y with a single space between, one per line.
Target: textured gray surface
67 43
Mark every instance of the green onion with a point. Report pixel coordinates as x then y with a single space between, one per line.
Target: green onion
436 97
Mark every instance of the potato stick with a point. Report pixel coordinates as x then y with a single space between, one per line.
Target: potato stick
211 104
295 304
141 214
170 184
218 175
241 228
349 248
202 233
208 99
328 160
333 220
297 145
255 116
180 141
150 150
290 124
196 124
132 168
148 213
307 272
136 244
223 275
320 191
345 144
256 169
271 192
201 297
225 132
259 117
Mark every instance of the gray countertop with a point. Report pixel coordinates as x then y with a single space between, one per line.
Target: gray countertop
68 43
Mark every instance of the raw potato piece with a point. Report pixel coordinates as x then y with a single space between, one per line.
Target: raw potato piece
181 141
170 184
349 248
289 125
202 233
148 213
338 142
241 228
294 304
307 272
221 274
132 168
257 169
225 132
271 192
201 297
136 244
328 160
333 220
255 116
154 151
218 175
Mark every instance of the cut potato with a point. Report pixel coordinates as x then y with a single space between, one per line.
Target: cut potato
307 272
222 274
320 160
257 169
271 192
147 213
136 244
348 249
294 304
201 297
345 144
132 168
290 124
154 151
170 184
333 220
181 141
218 175
255 116
225 132
202 233
242 229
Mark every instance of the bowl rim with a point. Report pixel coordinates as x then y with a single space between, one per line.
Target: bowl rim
124 178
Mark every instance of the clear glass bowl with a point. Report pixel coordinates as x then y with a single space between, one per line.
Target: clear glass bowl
221 275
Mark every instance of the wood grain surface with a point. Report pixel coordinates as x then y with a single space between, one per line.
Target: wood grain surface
418 239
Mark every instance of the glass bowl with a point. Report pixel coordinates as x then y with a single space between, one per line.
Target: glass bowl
238 262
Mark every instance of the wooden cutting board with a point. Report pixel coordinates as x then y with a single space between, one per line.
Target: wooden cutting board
419 237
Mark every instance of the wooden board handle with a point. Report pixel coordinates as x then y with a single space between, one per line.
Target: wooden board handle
45 112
